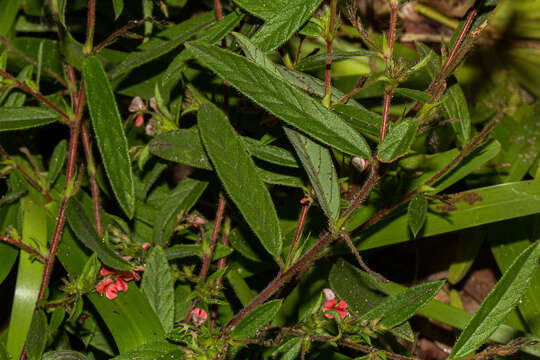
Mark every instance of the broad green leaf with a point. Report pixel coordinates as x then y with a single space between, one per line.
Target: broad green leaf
361 292
319 166
237 172
36 339
272 154
64 355
472 208
399 308
498 304
182 146
290 349
398 141
281 99
318 61
10 8
507 240
56 163
265 9
182 302
280 27
158 286
362 119
244 246
256 319
153 350
87 234
180 201
109 132
417 212
29 275
456 107
276 178
118 6
468 245
184 31
18 118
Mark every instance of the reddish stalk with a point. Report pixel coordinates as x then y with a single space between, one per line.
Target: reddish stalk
74 135
217 5
92 175
34 93
387 97
329 41
90 25
459 40
299 50
207 258
23 246
221 264
26 175
391 34
305 207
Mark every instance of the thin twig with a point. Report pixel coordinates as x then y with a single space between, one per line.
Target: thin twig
92 175
384 125
355 20
360 260
207 258
305 207
221 264
329 41
24 247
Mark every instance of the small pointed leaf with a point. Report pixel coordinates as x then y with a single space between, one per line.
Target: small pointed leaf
257 318
398 141
417 213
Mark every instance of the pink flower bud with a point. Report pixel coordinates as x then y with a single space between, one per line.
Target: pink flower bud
146 246
136 105
199 316
360 163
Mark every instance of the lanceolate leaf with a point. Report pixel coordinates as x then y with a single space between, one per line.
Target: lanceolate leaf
180 201
265 9
318 164
182 146
282 99
87 234
57 162
257 318
110 136
238 173
272 154
158 286
280 27
399 308
498 304
30 272
417 213
456 107
398 141
318 61
150 351
18 118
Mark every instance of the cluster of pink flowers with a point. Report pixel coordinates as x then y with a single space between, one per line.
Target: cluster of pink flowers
116 280
332 304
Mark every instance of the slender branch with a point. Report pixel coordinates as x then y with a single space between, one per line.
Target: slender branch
29 60
24 174
207 258
329 41
74 136
305 207
352 10
221 264
384 125
34 93
299 50
392 31
92 175
90 26
24 247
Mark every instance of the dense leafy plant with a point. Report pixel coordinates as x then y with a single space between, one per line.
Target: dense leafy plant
227 162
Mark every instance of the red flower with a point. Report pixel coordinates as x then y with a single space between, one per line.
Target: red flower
199 316
115 280
341 308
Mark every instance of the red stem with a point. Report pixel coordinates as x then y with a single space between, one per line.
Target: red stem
391 35
221 264
23 246
92 175
387 97
329 41
90 25
459 40
207 259
217 5
305 208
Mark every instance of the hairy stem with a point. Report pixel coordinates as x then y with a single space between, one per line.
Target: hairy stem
24 247
92 176
305 208
329 41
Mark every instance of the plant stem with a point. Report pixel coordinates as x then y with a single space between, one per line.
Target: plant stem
74 136
207 258
25 175
217 5
362 194
34 93
305 208
392 31
221 264
23 246
91 23
329 41
92 175
384 125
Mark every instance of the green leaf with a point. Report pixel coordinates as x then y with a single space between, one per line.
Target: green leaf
110 136
361 292
180 201
181 146
468 245
56 163
64 355
10 8
398 141
118 6
87 234
362 119
272 154
150 351
498 304
413 94
319 166
158 286
278 178
19 118
280 27
87 279
318 61
281 98
237 172
8 253
240 286
256 319
183 31
29 275
417 213
399 308
472 208
265 9
455 104
36 339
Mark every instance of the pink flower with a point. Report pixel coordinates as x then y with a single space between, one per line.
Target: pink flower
139 121
146 246
340 307
199 316
115 280
137 106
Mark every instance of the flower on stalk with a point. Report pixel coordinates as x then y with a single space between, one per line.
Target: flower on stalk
115 281
137 106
